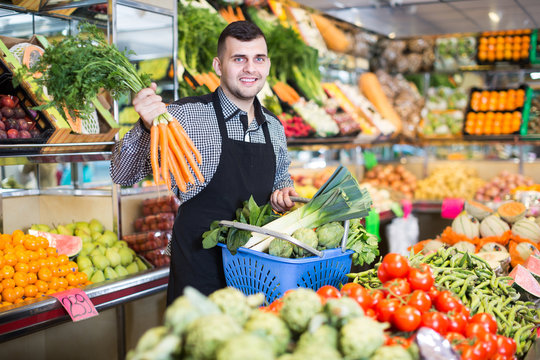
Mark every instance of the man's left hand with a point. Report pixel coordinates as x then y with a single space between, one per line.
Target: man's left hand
280 199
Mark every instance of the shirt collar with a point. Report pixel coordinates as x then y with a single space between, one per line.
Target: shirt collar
230 110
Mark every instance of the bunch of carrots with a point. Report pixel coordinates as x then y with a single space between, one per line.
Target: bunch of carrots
285 92
209 79
177 151
230 16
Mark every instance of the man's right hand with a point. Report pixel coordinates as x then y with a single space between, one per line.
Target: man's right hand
149 105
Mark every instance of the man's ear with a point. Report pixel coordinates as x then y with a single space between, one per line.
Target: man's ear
217 66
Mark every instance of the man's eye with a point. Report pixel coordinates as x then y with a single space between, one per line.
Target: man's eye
238 60
260 59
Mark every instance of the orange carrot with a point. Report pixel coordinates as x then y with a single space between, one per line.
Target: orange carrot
179 156
154 143
186 149
240 14
164 154
175 170
176 125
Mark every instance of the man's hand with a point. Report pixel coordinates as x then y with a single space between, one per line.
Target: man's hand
149 105
280 199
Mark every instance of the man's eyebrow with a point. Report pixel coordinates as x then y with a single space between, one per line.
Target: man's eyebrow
244 55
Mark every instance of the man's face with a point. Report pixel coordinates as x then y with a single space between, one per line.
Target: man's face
243 67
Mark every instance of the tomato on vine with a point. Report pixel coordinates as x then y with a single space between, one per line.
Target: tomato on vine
420 300
407 318
446 302
421 277
396 288
486 320
436 321
395 265
328 292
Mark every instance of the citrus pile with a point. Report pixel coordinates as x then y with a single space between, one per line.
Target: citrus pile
30 268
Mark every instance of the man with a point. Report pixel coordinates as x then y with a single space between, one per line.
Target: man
243 150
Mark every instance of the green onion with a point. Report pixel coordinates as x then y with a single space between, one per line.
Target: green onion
339 199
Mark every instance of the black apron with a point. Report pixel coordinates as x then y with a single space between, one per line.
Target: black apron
244 169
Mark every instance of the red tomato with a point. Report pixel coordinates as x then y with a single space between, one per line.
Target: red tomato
436 321
487 320
465 311
433 293
407 318
347 288
421 278
473 352
361 296
474 330
382 274
446 302
420 300
328 292
275 306
506 346
398 340
385 308
457 322
371 313
397 287
396 265
454 338
376 296
489 342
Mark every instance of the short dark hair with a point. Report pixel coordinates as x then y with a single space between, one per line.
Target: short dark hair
240 30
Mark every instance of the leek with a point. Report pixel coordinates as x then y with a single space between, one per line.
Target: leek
339 199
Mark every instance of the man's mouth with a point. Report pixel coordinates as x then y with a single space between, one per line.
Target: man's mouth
248 80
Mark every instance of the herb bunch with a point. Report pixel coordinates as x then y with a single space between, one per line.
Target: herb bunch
75 69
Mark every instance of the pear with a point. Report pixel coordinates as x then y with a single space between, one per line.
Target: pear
110 273
140 264
97 276
89 271
113 256
84 262
97 251
120 244
40 227
83 253
64 230
96 226
53 231
126 257
83 225
95 235
88 247
100 261
121 271
132 268
111 235
106 239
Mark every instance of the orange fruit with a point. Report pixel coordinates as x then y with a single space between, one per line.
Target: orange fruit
73 266
72 279
42 286
17 237
10 259
7 272
22 267
32 255
64 270
63 259
81 278
45 274
42 253
30 291
19 291
43 263
39 294
1 287
51 251
20 279
8 283
30 243
62 283
53 261
51 291
34 266
31 278
9 295
54 284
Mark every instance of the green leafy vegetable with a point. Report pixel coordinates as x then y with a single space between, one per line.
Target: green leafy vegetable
364 244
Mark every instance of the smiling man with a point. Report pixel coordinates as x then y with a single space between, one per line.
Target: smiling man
243 148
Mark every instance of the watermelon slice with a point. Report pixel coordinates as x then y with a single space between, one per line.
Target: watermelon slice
533 265
64 244
526 284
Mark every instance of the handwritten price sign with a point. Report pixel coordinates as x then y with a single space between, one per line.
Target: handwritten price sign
77 304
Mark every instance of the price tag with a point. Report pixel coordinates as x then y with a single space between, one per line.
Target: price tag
451 207
406 204
77 304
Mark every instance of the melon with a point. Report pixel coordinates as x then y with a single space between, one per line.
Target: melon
64 244
493 225
511 211
466 225
432 245
493 247
533 265
499 261
525 283
527 229
525 250
477 210
465 246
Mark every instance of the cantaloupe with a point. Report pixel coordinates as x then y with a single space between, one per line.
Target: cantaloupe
466 225
499 261
493 225
511 211
465 246
477 210
527 229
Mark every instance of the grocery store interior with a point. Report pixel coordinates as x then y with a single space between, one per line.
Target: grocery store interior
431 109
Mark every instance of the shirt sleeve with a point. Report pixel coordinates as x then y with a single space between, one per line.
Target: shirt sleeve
283 178
130 161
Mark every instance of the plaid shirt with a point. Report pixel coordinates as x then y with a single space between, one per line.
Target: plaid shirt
130 161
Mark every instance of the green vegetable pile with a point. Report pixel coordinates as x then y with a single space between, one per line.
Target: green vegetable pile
78 67
479 288
227 325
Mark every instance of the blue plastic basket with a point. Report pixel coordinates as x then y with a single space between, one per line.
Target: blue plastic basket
252 271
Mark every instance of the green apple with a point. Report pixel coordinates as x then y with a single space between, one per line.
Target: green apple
84 262
121 271
113 256
100 261
96 226
126 257
140 264
97 276
132 268
110 273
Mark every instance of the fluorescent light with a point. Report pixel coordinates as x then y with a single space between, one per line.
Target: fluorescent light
535 75
392 35
494 17
339 5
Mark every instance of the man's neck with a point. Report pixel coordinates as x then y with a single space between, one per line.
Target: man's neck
245 105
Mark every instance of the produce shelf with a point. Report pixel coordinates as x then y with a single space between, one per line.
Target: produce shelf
22 319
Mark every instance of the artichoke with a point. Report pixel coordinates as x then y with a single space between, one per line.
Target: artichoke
281 248
330 235
299 306
270 327
308 237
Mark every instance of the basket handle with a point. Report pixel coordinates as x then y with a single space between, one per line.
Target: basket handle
273 233
345 236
